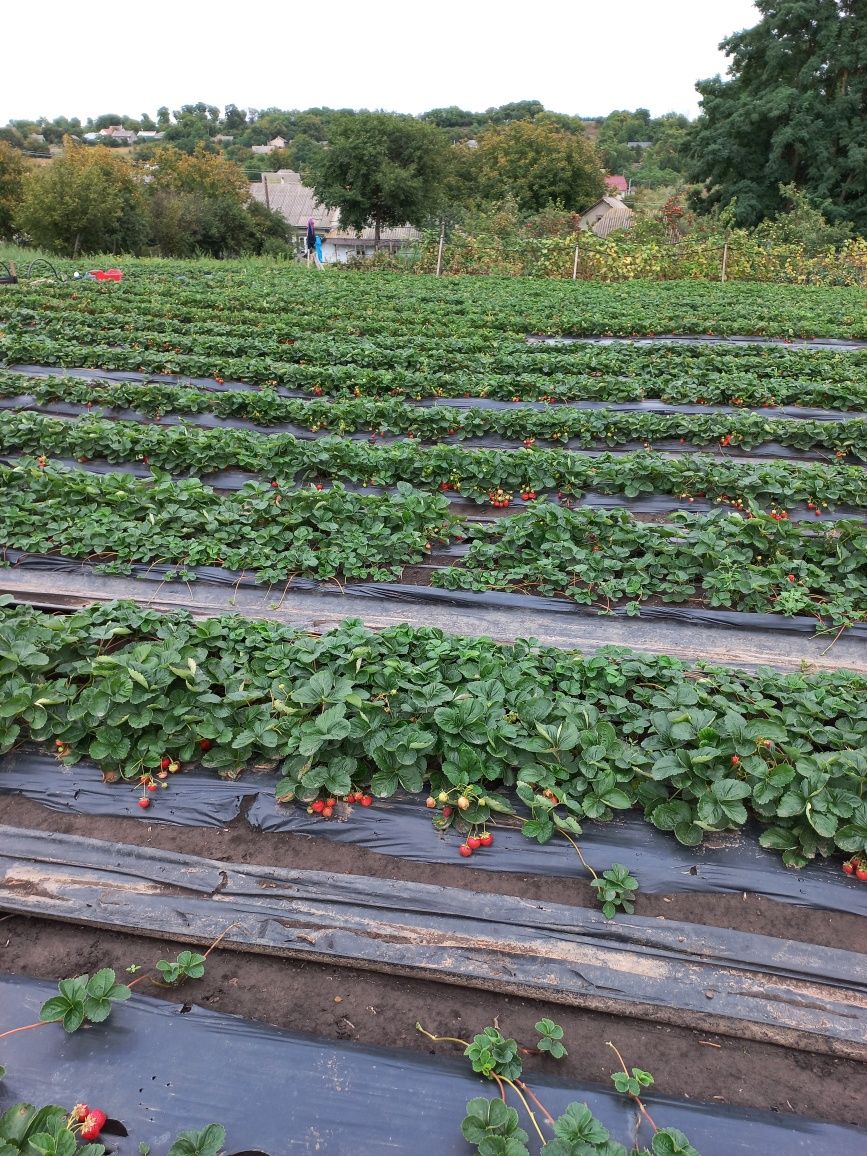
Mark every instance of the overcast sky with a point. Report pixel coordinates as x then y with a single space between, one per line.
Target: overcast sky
584 57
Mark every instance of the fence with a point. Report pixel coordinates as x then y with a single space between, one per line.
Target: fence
735 257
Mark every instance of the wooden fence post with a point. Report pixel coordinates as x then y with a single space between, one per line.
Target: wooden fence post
440 250
575 264
725 261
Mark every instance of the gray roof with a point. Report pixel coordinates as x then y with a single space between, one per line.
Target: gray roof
618 217
295 202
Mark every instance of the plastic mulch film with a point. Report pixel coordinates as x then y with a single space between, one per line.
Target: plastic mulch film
436 596
648 405
844 344
729 862
158 1068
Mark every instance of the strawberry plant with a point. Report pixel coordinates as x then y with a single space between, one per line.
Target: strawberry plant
493 1127
357 711
563 426
550 1039
615 890
607 558
120 519
52 1131
84 999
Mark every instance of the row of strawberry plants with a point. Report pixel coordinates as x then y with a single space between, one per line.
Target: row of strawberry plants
456 378
604 558
589 428
484 475
119 519
348 302
593 557
578 738
496 355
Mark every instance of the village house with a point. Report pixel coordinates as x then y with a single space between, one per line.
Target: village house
277 142
284 193
119 133
606 215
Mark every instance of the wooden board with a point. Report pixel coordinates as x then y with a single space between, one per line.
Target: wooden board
320 612
712 979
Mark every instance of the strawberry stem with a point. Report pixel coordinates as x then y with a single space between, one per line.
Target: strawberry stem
27 1028
441 1039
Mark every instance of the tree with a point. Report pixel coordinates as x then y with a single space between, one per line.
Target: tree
197 203
379 169
12 170
539 164
793 112
87 200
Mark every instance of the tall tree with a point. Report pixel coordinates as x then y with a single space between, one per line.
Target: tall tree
793 112
379 169
12 169
197 203
87 200
538 163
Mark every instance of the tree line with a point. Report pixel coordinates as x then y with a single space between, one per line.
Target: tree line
790 116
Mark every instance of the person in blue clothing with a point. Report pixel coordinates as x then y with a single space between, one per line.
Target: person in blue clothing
314 244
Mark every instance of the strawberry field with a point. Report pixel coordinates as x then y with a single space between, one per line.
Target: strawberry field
437 689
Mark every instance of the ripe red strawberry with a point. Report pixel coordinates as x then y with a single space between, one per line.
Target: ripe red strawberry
849 867
474 841
330 802
735 760
327 812
486 839
318 806
205 744
152 786
78 1112
861 873
367 800
165 763
465 850
447 812
791 577
93 1124
144 802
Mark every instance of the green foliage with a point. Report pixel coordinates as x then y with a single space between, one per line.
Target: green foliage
12 170
615 890
208 1142
492 1054
752 563
565 427
116 683
538 163
380 169
632 1085
550 1041
29 1131
493 1128
86 200
86 998
188 965
186 524
792 113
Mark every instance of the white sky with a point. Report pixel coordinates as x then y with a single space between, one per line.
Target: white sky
584 57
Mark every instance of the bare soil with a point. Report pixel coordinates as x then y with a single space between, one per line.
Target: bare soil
352 1004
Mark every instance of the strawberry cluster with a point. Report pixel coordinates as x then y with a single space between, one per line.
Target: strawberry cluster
88 1122
857 866
325 807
